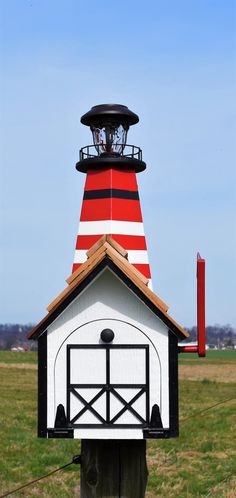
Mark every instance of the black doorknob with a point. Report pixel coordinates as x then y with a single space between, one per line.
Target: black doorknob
107 335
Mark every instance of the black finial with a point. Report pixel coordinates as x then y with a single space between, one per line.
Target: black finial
156 421
61 420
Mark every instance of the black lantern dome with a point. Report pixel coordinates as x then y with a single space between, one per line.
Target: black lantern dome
109 124
114 112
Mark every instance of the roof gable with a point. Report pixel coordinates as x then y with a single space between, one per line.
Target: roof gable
107 253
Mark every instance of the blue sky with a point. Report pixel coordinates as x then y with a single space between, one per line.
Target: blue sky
173 63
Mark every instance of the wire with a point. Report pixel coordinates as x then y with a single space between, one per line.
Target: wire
76 459
200 413
204 410
218 484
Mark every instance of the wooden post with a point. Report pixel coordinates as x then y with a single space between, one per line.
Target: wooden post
113 469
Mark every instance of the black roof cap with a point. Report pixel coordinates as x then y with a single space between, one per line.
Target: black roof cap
113 111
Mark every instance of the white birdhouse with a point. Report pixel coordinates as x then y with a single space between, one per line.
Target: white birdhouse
108 355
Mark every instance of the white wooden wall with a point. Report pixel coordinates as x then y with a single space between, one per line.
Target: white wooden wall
107 303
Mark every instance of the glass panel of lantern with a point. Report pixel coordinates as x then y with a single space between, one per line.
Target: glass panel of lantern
110 138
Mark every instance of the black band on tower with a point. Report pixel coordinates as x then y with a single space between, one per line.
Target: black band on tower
111 193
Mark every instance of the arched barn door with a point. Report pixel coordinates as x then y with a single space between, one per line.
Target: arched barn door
106 383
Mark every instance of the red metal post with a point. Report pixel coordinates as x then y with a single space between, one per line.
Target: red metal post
188 349
201 331
200 348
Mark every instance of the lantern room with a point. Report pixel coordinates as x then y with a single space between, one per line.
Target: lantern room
109 124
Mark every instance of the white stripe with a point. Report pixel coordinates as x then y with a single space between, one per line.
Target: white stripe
150 284
138 257
110 226
80 256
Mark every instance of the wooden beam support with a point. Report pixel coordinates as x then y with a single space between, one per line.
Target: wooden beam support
113 468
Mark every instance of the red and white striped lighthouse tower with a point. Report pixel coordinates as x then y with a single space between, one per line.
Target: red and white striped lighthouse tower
111 202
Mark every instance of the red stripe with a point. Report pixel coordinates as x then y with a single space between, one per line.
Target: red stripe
131 242
87 241
111 178
75 267
144 269
111 209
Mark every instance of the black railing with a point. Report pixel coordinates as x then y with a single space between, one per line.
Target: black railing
131 151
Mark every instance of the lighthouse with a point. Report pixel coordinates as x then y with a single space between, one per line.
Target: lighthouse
111 203
108 347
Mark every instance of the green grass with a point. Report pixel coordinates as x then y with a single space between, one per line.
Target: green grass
23 456
212 357
205 452
18 357
211 354
221 353
201 461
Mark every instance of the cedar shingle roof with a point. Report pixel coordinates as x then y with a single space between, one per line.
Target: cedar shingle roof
110 253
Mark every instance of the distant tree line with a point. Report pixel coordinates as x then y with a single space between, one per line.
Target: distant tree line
15 335
216 335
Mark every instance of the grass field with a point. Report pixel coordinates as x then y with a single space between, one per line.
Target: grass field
200 463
